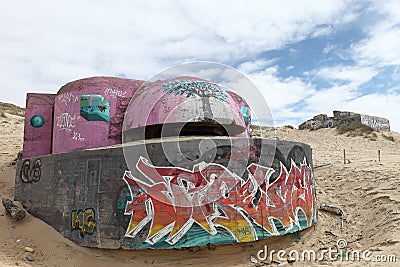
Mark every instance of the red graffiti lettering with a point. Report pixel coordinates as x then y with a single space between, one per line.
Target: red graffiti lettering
212 196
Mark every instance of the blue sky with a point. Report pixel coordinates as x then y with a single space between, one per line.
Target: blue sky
305 57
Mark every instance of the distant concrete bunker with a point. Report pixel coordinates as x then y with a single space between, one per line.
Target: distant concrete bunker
346 117
97 168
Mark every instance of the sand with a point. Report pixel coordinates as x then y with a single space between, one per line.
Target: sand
368 192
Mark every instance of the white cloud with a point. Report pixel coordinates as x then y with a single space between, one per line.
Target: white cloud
293 99
289 67
382 105
380 47
44 44
281 94
256 65
329 48
326 100
353 75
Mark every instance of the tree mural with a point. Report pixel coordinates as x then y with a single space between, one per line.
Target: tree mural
202 89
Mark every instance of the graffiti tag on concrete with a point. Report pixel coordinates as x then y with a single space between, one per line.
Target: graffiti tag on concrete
213 197
30 173
83 221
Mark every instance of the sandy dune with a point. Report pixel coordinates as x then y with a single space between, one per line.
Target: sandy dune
368 191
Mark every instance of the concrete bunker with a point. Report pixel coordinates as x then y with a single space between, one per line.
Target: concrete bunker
223 187
186 106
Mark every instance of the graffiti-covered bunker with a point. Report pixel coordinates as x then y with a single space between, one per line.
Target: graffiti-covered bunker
119 163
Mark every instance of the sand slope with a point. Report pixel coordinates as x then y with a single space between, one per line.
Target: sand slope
366 190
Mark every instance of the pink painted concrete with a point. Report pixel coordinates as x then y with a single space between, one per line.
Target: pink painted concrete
66 130
152 106
72 131
37 141
240 101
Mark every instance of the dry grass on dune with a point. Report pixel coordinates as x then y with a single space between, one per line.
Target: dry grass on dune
11 109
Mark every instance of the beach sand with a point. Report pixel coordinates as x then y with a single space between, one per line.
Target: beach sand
368 192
